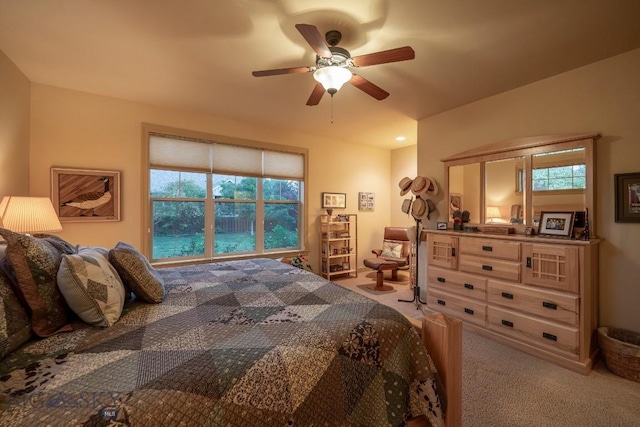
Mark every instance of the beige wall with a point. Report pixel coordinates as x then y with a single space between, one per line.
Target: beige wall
14 130
602 97
403 164
79 130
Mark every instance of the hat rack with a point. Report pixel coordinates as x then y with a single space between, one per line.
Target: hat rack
421 209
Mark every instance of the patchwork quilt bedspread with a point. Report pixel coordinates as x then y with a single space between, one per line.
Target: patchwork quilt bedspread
242 343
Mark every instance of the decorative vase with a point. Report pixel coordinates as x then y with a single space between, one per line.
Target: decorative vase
329 212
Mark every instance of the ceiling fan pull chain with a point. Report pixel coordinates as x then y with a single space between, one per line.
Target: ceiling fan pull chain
332 109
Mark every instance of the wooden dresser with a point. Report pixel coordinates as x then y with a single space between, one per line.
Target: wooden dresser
539 295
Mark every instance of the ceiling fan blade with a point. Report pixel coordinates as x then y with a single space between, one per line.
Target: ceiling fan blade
392 55
316 95
315 40
278 71
369 88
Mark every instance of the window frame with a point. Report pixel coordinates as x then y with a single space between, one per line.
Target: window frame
147 221
520 177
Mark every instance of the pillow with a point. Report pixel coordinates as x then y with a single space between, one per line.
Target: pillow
35 263
91 287
136 273
60 244
15 327
391 249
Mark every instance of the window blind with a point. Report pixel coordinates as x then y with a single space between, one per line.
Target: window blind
283 165
179 153
235 160
209 156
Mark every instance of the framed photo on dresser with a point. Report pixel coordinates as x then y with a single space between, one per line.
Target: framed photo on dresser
556 224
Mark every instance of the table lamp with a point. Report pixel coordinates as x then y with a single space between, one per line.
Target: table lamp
29 215
493 214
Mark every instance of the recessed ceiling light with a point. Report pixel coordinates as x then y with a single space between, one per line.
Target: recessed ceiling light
400 138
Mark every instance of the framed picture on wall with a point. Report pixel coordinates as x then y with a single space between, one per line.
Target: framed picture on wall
334 200
85 195
366 201
627 192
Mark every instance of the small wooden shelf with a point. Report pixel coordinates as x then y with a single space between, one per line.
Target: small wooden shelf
339 245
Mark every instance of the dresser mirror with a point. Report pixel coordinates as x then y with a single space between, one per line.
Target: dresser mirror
504 199
464 187
559 182
512 182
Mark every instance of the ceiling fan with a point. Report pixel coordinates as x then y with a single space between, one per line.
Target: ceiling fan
332 64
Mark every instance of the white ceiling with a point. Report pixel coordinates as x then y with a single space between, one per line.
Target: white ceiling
198 54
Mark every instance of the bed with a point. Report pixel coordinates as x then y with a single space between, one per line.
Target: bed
252 342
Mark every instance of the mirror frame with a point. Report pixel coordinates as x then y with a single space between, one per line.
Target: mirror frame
527 148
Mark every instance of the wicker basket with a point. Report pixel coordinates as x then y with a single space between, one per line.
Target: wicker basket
621 351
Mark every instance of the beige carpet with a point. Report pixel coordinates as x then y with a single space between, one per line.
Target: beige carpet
505 387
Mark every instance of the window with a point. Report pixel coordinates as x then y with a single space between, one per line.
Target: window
213 199
559 178
561 175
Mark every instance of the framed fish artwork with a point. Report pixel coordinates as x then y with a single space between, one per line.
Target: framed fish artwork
85 195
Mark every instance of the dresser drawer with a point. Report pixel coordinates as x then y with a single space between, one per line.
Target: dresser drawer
462 308
490 248
532 330
553 305
498 269
463 284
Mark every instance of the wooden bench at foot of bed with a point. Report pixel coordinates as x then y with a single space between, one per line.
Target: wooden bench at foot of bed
442 335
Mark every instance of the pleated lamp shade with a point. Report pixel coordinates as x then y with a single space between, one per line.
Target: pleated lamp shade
29 215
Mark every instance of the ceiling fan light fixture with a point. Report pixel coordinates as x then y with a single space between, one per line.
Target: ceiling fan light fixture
332 77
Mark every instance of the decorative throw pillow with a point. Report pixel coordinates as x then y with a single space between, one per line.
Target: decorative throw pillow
91 287
391 249
35 262
15 327
136 273
60 244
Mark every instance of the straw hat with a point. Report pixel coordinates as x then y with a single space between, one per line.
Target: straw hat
420 185
432 189
431 207
406 205
418 209
405 185
422 208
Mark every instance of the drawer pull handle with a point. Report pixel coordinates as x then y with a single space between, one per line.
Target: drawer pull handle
507 323
468 311
441 279
528 262
487 267
487 248
550 305
549 336
441 302
507 295
468 286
